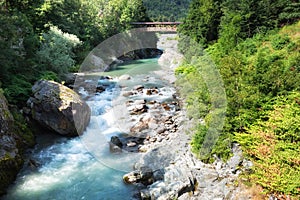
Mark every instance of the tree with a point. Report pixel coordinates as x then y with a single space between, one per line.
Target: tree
202 21
56 53
117 15
167 10
291 13
245 18
18 45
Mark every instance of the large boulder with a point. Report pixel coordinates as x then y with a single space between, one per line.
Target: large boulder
59 108
10 159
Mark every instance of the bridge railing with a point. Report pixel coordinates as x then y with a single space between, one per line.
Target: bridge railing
157 26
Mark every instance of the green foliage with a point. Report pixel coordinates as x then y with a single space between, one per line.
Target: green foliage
194 90
49 75
77 17
290 13
202 21
279 42
184 70
201 86
231 21
25 137
167 10
17 42
198 138
184 46
41 38
262 83
253 76
18 91
56 53
274 144
117 15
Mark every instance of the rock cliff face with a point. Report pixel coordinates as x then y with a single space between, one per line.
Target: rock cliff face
10 159
59 108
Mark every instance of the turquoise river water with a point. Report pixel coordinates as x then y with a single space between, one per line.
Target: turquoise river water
82 167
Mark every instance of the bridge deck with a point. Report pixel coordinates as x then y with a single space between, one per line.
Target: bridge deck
157 26
158 29
155 23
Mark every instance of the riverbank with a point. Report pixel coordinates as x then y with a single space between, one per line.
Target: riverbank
148 117
170 168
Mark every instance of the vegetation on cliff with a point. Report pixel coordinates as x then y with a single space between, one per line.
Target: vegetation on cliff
257 54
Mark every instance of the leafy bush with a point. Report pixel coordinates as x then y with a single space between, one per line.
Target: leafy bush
274 146
193 88
56 53
18 91
280 41
167 10
49 75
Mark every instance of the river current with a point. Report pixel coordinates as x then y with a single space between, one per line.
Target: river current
83 167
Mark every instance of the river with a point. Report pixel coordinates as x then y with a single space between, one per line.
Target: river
83 167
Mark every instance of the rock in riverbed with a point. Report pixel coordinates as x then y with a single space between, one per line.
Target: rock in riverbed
58 108
144 175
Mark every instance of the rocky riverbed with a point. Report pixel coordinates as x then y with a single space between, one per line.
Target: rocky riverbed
152 135
168 169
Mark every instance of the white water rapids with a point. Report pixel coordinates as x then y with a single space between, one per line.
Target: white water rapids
82 167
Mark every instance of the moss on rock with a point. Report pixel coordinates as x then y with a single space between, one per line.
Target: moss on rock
15 136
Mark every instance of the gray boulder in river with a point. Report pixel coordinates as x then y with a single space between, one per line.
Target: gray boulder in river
59 108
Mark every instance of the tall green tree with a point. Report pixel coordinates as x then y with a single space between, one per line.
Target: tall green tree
18 45
245 18
291 13
202 21
117 15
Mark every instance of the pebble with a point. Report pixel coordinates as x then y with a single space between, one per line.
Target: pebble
131 144
153 139
127 93
143 148
125 77
138 87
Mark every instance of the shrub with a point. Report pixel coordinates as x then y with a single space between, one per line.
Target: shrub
18 91
56 53
49 75
280 41
273 144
